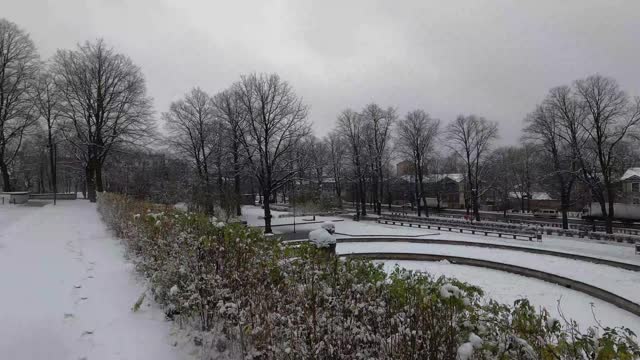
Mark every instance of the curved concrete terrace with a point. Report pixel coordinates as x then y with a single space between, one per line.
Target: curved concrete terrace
590 290
595 260
622 282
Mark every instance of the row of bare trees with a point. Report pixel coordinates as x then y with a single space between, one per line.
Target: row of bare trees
580 134
92 99
585 131
89 107
254 128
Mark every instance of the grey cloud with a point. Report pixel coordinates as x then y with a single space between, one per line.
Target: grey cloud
493 58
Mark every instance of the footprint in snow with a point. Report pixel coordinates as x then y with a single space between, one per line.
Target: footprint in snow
77 286
84 298
87 332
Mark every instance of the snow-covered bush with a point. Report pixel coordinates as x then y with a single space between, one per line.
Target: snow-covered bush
278 302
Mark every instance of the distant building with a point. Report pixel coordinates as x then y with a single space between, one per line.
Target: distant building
536 200
446 190
630 182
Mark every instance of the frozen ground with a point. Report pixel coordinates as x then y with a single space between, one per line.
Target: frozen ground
506 288
622 282
67 290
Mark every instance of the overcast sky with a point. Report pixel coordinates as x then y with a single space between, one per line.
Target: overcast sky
492 58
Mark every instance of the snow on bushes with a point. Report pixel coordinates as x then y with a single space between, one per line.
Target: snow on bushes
278 302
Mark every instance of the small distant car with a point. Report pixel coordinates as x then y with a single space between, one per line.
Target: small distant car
546 213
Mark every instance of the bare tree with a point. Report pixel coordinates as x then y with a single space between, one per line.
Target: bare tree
276 121
554 126
351 128
610 118
228 109
104 103
470 137
18 70
318 160
192 128
416 137
378 123
337 148
47 105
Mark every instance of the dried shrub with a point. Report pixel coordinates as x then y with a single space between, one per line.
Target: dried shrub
277 302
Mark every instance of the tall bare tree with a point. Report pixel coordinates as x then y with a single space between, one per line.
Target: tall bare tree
19 64
229 110
555 127
416 135
337 148
470 137
47 105
104 103
276 121
351 128
611 116
191 123
378 123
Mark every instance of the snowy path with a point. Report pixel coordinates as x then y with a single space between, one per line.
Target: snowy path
68 291
622 282
506 288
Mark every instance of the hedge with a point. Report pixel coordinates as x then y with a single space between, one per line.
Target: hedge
253 297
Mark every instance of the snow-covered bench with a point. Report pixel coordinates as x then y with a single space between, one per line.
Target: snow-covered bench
15 197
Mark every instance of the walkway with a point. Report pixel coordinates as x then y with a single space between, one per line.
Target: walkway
67 290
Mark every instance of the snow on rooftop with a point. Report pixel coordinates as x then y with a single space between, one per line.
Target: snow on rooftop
630 173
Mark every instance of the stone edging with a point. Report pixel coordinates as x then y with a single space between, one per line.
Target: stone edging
590 290
595 260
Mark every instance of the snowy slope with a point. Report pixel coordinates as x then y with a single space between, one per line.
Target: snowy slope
622 282
67 291
506 288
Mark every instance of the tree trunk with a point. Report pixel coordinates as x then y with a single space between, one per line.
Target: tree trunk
380 188
98 176
363 197
603 208
610 214
339 194
89 178
417 190
564 207
6 179
476 206
266 194
52 164
236 182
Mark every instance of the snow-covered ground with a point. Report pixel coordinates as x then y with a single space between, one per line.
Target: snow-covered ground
506 288
67 291
9 214
600 249
622 282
